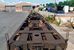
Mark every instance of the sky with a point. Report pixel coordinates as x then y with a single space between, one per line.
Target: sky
32 1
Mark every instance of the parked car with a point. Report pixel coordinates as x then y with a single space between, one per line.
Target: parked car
60 9
50 9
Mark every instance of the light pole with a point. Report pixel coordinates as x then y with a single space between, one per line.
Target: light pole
55 8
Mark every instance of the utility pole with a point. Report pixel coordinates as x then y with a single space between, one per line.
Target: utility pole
55 8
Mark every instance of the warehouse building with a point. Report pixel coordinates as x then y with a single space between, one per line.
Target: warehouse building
10 8
23 6
2 7
18 7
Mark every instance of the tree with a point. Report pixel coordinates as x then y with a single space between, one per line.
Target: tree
67 2
50 4
61 3
44 5
64 3
71 2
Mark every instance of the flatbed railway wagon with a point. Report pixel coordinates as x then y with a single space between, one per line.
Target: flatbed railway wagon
36 34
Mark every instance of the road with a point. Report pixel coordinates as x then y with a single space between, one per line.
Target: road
9 23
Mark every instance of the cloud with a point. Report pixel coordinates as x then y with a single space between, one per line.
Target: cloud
2 1
32 1
12 2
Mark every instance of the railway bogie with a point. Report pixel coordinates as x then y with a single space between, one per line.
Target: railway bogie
36 34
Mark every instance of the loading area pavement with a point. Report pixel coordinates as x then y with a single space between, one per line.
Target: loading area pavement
9 23
60 29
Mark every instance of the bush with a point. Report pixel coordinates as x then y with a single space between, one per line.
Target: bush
50 19
40 9
57 22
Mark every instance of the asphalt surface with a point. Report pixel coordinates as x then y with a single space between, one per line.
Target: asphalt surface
9 23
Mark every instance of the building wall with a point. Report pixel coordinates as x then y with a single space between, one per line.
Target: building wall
23 6
26 8
18 8
2 7
11 9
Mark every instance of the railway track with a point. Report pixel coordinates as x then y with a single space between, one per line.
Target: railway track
36 34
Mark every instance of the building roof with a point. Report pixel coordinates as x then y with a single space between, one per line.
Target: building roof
2 4
10 5
24 3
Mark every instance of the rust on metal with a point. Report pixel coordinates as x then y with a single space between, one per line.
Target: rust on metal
36 34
